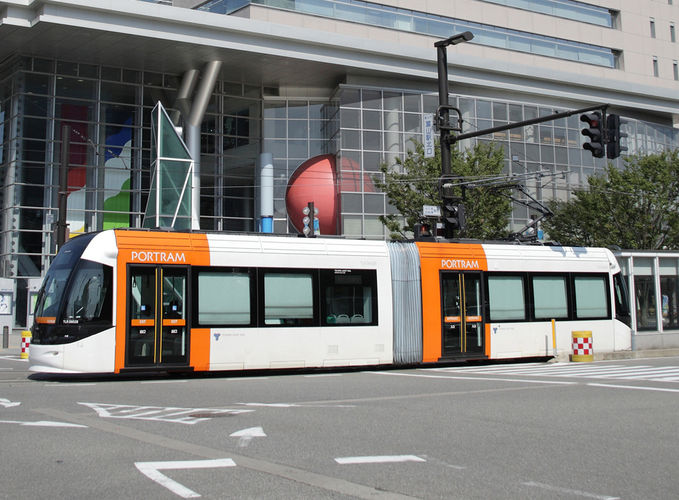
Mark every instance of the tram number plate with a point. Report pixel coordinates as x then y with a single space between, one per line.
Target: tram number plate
142 331
174 330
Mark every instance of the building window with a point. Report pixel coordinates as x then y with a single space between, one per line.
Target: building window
669 290
373 14
570 9
675 69
652 28
673 34
655 66
645 298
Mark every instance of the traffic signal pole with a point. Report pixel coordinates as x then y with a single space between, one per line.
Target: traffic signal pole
452 207
443 117
524 123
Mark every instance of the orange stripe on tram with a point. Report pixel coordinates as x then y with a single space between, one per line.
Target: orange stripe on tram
154 248
434 258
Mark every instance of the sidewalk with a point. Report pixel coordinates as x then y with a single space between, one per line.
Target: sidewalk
644 353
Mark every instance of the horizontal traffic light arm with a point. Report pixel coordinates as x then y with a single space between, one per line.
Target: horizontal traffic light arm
454 138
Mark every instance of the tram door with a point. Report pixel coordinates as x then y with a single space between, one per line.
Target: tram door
157 332
462 314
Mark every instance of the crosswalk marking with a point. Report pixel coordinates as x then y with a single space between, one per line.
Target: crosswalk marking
606 371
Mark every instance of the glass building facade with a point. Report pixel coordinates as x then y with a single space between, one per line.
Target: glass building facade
374 14
108 110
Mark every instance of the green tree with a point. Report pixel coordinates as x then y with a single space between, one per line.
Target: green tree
636 207
414 182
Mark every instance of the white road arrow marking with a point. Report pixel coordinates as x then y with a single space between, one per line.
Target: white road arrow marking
152 471
246 435
7 403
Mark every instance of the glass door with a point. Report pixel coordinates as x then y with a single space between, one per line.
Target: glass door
462 314
157 332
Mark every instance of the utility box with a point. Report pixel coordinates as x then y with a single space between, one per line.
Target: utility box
6 304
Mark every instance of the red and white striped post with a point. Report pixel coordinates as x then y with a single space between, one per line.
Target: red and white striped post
583 349
25 343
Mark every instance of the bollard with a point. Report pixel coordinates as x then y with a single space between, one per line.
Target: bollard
25 343
583 349
5 337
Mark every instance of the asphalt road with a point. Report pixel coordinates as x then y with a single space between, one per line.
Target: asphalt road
580 430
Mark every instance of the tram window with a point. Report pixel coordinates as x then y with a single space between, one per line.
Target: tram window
550 297
591 296
51 294
349 297
506 298
288 298
142 293
174 294
90 295
224 297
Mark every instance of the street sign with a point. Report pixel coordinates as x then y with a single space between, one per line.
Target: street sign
428 134
431 211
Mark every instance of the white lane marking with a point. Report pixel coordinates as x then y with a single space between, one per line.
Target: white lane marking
380 459
639 388
246 435
271 405
14 357
42 423
152 471
323 375
163 381
453 377
58 384
294 405
6 369
172 414
569 491
436 461
8 404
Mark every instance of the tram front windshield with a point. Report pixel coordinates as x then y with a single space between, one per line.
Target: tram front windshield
75 300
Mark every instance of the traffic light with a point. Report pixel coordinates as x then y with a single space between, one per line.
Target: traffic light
310 221
613 136
595 132
452 209
454 218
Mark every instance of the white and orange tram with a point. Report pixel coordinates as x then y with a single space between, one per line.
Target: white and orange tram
133 300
